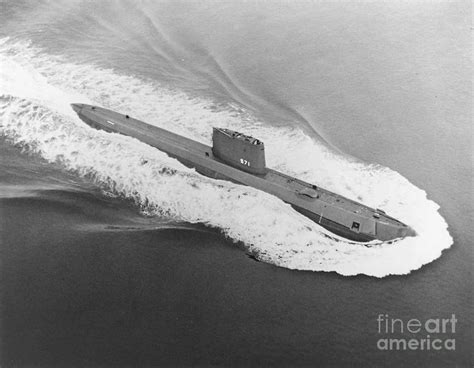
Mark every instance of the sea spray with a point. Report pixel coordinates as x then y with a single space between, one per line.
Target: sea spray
37 88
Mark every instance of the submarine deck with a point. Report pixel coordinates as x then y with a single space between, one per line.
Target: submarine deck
327 196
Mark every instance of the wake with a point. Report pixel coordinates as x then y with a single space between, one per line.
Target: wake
36 90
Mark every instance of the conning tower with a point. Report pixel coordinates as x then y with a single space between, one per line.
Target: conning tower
239 150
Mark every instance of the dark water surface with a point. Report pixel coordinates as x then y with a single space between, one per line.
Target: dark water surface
105 261
176 298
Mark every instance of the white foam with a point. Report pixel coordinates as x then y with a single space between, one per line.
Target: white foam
37 89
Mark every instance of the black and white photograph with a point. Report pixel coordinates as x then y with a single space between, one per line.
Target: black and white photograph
236 183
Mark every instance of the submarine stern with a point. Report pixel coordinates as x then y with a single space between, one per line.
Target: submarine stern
77 107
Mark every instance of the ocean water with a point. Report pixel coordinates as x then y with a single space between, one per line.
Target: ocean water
107 261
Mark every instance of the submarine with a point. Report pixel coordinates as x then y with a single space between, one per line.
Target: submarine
239 158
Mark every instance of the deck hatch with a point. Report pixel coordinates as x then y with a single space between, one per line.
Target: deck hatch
308 192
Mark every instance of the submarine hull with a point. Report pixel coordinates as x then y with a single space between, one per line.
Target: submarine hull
341 216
